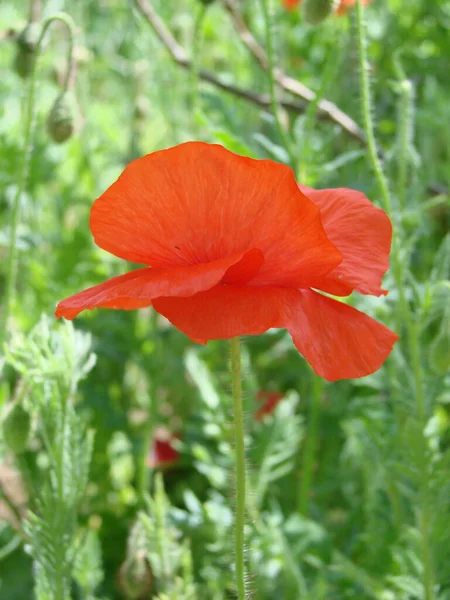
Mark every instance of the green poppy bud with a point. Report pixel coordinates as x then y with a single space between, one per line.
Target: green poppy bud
141 108
316 11
25 49
62 119
16 428
135 577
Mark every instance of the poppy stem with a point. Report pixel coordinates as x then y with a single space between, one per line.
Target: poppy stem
309 452
25 159
238 413
272 83
405 315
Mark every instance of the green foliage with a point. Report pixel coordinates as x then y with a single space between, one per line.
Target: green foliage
16 428
52 361
95 522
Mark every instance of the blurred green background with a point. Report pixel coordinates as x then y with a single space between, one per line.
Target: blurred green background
349 489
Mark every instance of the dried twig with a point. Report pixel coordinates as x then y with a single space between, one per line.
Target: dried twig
179 56
326 109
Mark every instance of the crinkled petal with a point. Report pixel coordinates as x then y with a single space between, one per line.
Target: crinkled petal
198 202
138 288
362 232
337 340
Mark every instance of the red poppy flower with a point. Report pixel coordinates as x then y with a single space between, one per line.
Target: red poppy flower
163 454
290 4
341 9
236 247
270 400
344 5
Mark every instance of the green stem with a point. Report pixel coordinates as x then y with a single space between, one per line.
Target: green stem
143 468
397 269
194 73
11 268
272 84
240 467
309 455
405 129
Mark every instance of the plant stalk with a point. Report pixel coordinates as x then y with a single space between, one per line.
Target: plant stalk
309 454
240 468
405 314
24 165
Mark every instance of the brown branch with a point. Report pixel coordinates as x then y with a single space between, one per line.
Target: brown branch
35 11
326 109
179 56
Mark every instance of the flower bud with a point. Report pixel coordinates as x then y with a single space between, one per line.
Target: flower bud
63 117
16 428
135 577
25 49
141 108
316 11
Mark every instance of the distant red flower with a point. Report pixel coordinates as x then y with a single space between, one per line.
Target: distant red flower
270 400
236 247
163 454
344 5
290 4
341 9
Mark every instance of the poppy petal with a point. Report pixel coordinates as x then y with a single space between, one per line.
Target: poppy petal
245 269
198 202
137 288
337 340
362 232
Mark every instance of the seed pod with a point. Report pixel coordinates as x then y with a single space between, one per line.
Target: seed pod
63 117
16 428
25 49
316 11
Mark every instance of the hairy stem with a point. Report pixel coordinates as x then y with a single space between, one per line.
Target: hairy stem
405 314
24 165
272 82
397 268
309 454
240 468
143 473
